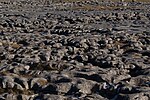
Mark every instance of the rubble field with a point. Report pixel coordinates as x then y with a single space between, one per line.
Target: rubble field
74 50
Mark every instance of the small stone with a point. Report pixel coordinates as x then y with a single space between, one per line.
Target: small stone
27 67
121 77
7 82
39 81
15 45
53 97
63 87
11 97
1 43
86 86
139 96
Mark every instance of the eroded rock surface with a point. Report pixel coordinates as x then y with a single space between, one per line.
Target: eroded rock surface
86 50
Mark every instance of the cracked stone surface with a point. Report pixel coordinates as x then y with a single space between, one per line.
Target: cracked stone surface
82 50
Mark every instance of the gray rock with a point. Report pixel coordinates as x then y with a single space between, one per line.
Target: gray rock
119 78
85 86
140 96
68 50
38 82
7 82
23 97
2 98
53 97
11 97
63 88
45 56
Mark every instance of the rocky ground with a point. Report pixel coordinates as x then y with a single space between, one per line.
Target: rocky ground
86 50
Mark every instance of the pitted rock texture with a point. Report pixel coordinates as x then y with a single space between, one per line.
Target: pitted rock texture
82 50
